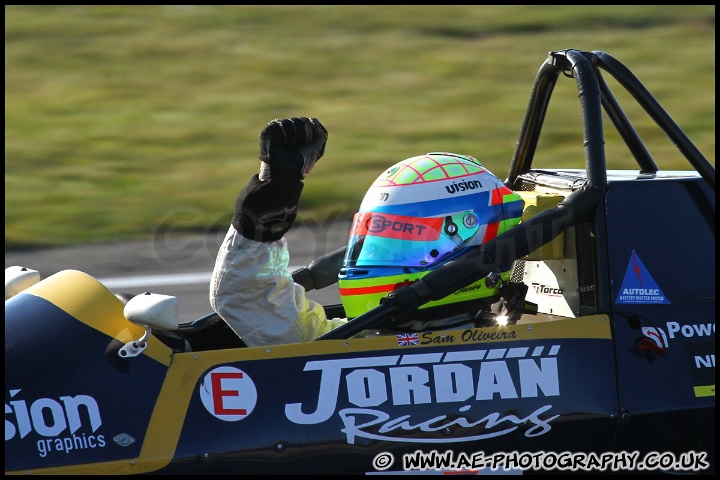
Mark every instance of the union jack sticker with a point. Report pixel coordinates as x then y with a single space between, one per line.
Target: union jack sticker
407 339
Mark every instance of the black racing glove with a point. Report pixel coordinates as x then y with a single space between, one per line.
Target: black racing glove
290 147
267 206
265 211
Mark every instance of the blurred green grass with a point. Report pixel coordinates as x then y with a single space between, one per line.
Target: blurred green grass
118 118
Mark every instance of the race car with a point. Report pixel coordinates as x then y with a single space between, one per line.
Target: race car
607 364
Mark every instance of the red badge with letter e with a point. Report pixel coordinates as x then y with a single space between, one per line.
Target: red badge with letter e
228 393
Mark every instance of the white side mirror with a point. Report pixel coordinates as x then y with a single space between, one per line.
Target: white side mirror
153 310
149 310
18 279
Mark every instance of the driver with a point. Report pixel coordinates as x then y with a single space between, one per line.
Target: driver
419 214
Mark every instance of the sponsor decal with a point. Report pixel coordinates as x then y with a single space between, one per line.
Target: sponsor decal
700 351
228 393
547 290
638 285
407 339
678 330
64 425
469 288
701 357
675 329
657 335
463 186
275 221
123 439
464 378
279 216
397 226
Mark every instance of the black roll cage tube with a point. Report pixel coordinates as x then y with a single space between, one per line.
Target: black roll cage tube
580 205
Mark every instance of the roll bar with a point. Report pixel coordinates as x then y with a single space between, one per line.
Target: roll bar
579 206
586 68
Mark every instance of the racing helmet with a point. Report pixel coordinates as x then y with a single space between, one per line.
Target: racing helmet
419 214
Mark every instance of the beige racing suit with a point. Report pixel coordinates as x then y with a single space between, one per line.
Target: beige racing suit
253 291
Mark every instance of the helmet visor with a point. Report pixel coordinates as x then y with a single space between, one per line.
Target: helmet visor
382 239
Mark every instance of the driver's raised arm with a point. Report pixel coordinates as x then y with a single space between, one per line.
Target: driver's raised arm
251 288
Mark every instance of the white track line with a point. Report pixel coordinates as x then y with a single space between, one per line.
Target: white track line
157 280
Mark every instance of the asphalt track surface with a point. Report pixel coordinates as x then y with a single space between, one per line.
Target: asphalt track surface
178 265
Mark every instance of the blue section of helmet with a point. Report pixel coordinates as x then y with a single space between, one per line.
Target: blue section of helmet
513 209
436 208
478 202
